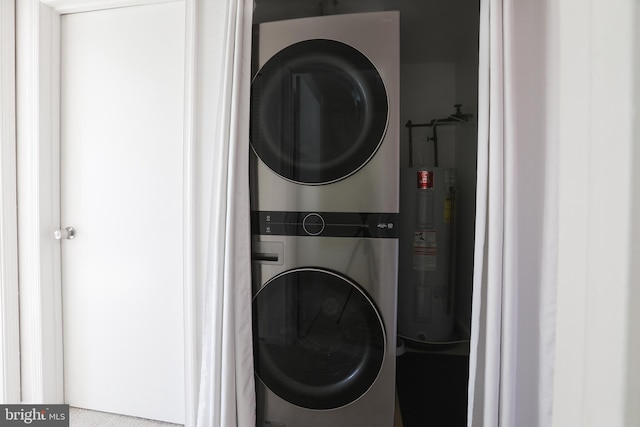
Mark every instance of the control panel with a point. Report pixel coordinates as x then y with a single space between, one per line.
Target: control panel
325 224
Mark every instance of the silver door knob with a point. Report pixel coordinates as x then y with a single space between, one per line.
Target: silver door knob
67 233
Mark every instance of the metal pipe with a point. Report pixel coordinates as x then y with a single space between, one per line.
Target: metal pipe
409 125
452 120
435 146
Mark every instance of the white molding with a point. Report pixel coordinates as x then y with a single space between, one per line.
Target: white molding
38 191
38 57
75 6
9 308
189 250
632 415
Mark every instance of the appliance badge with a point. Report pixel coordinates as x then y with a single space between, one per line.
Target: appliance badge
388 225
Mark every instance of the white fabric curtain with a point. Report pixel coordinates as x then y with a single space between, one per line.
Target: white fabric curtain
226 394
513 320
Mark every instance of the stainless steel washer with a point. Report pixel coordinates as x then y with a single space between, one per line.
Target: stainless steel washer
324 330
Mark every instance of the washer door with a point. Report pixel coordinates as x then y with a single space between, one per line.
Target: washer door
318 111
318 339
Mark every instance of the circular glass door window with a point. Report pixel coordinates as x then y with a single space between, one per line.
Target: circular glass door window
318 339
319 111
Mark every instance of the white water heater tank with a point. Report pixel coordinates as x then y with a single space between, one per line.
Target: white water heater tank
427 235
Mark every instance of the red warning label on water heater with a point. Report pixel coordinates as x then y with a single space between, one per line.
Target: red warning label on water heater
425 180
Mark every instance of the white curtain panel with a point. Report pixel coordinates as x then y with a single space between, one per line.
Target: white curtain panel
226 384
513 320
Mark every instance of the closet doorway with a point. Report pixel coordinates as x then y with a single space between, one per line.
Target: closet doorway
438 71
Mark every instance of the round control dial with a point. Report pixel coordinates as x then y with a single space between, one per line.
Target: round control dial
313 224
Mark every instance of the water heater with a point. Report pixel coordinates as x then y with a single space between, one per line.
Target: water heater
427 235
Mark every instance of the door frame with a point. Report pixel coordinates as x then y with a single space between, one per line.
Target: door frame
9 306
38 195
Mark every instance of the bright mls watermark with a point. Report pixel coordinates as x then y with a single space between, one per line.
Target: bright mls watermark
34 415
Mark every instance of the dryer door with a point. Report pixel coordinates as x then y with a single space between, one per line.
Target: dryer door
319 341
319 111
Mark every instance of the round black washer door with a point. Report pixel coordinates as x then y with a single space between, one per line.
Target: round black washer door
319 111
318 340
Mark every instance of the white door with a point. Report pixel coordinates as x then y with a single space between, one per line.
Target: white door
121 189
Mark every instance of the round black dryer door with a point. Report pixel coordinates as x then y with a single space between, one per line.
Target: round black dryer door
319 111
318 339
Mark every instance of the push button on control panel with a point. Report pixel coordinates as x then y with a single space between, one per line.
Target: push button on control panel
313 224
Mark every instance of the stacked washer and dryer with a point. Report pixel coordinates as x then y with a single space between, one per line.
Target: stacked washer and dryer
324 193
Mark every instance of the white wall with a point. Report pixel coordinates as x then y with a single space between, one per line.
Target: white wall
596 372
633 333
427 92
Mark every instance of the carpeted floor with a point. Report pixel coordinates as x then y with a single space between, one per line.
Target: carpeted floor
432 389
85 418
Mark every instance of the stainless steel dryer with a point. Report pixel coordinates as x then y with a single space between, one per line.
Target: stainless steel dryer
324 196
325 112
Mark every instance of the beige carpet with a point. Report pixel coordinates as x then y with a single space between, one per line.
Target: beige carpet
85 418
